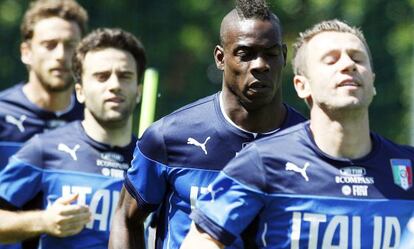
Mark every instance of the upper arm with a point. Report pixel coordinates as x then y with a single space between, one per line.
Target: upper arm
146 178
128 210
197 238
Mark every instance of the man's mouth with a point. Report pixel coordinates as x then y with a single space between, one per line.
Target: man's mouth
349 82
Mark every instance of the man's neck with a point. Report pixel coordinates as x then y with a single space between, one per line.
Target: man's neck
116 135
260 120
50 101
345 136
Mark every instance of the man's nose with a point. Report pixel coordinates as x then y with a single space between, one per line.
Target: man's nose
260 64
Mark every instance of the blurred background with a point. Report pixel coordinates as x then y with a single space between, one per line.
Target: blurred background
180 35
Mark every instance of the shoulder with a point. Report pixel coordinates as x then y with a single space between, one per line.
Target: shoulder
194 109
12 96
391 147
284 137
8 92
293 116
260 155
194 117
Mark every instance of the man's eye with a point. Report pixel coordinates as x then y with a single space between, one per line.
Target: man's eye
358 58
126 76
242 53
245 55
329 60
49 45
102 77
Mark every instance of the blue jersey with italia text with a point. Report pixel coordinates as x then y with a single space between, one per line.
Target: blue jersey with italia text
179 156
63 162
302 198
20 119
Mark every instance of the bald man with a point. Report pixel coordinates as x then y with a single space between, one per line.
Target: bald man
178 156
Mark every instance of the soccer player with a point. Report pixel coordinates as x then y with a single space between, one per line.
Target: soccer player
178 156
334 184
50 32
79 167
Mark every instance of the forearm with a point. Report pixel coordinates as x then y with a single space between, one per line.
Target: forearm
127 235
127 230
200 240
18 226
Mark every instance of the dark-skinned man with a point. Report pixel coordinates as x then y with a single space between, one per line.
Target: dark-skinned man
178 156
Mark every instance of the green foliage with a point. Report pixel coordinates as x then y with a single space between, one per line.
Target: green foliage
180 37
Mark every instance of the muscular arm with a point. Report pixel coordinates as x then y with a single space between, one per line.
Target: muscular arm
196 238
61 219
127 230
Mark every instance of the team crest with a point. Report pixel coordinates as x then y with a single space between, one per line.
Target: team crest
402 172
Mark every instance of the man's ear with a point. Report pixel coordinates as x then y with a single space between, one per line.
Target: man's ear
301 84
139 93
219 57
79 93
303 89
26 53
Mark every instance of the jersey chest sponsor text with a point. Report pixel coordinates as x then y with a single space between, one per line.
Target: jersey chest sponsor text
344 232
101 203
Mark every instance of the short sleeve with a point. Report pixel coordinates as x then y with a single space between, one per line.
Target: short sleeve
238 203
21 179
145 179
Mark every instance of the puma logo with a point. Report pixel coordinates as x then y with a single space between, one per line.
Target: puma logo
297 169
17 122
198 144
71 152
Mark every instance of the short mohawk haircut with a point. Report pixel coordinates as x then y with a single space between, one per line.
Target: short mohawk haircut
257 9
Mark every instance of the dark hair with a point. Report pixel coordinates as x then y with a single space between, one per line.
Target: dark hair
253 9
109 38
69 10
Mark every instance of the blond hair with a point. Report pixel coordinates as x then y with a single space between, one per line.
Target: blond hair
335 25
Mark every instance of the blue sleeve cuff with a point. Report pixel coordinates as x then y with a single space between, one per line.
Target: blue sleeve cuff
210 227
142 205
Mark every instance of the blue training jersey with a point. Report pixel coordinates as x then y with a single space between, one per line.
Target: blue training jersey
63 162
20 119
179 156
304 198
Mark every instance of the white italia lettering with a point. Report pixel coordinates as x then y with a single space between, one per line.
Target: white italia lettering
356 232
337 222
392 227
343 232
81 191
100 196
376 243
102 204
295 235
314 220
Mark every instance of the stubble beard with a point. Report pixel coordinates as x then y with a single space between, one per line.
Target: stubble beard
47 83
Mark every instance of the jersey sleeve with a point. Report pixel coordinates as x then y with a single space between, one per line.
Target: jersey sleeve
238 200
145 179
21 179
